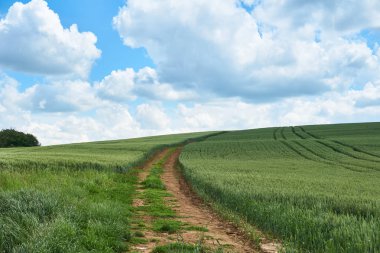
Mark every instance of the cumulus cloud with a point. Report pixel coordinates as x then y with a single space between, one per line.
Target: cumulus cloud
126 85
331 17
55 97
152 116
230 64
33 40
217 47
117 86
63 96
332 107
112 120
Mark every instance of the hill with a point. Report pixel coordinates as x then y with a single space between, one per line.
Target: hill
315 187
72 198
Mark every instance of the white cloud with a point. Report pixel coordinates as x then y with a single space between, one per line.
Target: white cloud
33 40
63 96
218 47
117 86
214 61
152 116
331 17
333 107
126 85
110 120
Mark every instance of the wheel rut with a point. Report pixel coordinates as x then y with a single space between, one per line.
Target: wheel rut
141 218
191 211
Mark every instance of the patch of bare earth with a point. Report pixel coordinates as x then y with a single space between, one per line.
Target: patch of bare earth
153 238
193 211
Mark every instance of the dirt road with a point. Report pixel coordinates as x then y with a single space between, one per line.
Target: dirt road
191 209
208 230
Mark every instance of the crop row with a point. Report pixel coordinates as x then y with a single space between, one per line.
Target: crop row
315 196
328 151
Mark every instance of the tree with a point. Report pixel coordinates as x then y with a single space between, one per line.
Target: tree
12 138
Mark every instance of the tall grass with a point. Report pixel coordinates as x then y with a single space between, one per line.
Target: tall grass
72 198
316 198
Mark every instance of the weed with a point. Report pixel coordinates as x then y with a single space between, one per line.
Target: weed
179 248
167 226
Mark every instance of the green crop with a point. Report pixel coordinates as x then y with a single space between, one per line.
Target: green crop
72 198
315 187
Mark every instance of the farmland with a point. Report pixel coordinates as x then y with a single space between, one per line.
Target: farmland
313 188
72 198
317 188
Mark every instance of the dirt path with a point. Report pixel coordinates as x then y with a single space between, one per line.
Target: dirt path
190 210
144 173
152 238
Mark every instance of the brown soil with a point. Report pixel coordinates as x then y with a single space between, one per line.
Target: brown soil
152 237
194 212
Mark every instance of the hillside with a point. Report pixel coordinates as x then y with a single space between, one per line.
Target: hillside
315 187
72 198
304 188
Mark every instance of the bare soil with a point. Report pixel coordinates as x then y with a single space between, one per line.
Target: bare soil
194 212
153 239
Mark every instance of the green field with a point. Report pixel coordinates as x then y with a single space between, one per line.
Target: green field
72 198
317 188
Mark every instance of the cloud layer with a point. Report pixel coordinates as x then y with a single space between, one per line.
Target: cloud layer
274 52
220 65
96 118
33 40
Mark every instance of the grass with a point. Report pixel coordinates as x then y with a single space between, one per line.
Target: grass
167 226
72 198
68 217
163 218
153 180
315 187
196 228
179 248
154 194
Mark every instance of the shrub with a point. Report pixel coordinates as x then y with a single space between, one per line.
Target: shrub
13 138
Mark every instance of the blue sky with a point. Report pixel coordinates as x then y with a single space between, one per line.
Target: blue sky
146 67
95 16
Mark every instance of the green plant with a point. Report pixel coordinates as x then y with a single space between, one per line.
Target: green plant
13 138
315 187
167 225
73 198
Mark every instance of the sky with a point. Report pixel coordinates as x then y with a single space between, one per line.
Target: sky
77 71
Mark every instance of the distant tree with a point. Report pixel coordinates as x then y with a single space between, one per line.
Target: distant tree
12 138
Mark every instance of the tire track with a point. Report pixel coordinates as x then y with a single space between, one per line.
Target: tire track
192 210
356 149
297 134
333 162
275 134
310 134
319 158
345 153
320 140
295 150
282 133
